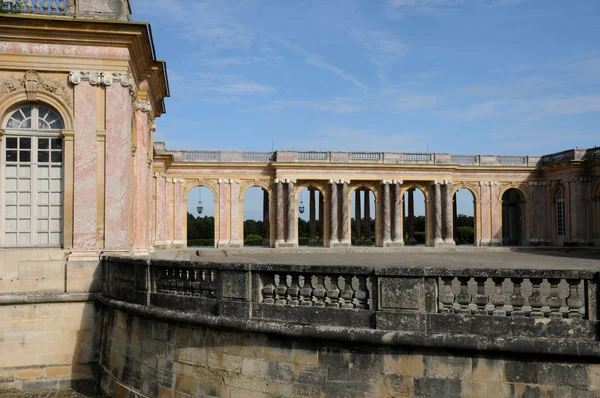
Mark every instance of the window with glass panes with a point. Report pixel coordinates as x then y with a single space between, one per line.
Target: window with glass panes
33 182
560 213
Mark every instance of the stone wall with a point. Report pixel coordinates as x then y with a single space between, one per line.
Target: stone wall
157 359
48 345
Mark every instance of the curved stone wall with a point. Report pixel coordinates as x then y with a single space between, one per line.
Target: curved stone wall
159 359
184 328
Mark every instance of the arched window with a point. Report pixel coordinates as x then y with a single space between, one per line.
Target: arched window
560 214
32 159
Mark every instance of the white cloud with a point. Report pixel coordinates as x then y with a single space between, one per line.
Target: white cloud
335 105
383 49
399 8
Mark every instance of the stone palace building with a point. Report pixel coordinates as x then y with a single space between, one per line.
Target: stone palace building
80 177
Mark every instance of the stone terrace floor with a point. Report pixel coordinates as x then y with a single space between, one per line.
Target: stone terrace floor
459 257
51 394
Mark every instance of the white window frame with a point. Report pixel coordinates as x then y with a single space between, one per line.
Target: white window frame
35 134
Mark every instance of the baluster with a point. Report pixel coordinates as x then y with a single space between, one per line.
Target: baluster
269 293
53 6
318 291
204 283
180 281
574 302
30 5
45 6
195 284
347 292
447 296
332 293
536 300
480 299
498 299
361 294
21 5
305 292
280 290
464 297
554 300
188 283
173 280
292 291
517 300
160 284
212 283
61 6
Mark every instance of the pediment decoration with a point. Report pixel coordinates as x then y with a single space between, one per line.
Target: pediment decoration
33 82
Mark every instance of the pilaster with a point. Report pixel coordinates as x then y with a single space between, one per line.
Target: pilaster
345 219
224 213
398 208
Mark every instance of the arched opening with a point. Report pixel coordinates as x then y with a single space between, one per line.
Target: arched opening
200 217
559 217
256 217
362 222
513 204
32 166
310 217
415 222
464 217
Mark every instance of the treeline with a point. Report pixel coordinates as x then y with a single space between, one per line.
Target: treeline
203 228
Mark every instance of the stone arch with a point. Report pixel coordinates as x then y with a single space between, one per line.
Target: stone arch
513 216
520 187
370 185
190 184
424 187
19 97
457 186
267 185
323 188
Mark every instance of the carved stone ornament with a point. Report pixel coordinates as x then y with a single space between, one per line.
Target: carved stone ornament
143 105
33 83
103 78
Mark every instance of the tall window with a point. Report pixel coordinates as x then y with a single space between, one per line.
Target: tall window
560 213
33 182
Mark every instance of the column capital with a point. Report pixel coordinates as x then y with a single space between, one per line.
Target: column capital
346 182
142 105
334 181
533 183
100 78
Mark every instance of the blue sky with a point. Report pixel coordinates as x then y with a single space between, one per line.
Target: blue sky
461 76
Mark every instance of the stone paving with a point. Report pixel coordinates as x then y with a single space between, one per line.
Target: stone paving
468 257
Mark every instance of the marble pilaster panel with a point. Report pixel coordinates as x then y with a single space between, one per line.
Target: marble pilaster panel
398 219
168 205
484 194
568 211
533 203
496 213
291 214
333 213
448 214
160 215
312 217
117 217
357 217
345 221
140 172
84 175
280 216
178 211
236 238
386 214
438 212
578 210
224 200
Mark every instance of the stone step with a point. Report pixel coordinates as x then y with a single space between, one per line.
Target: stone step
36 255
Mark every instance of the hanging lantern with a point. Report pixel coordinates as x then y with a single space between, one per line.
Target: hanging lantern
301 207
200 209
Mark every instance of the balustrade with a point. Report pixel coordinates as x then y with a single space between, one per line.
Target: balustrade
465 159
317 290
257 156
191 282
123 274
42 7
418 157
312 155
202 155
373 156
546 298
513 160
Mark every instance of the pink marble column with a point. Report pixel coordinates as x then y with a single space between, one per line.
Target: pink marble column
543 215
387 216
140 188
448 214
438 212
223 208
159 216
84 173
484 194
398 219
549 211
168 205
178 216
345 238
568 211
117 217
291 214
496 213
333 213
578 211
280 216
236 239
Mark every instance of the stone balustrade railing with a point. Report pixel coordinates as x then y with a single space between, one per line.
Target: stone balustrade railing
515 310
354 157
40 7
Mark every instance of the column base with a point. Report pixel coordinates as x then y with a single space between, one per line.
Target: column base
222 243
333 243
345 242
397 243
141 251
283 244
91 255
449 242
180 243
387 243
235 244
